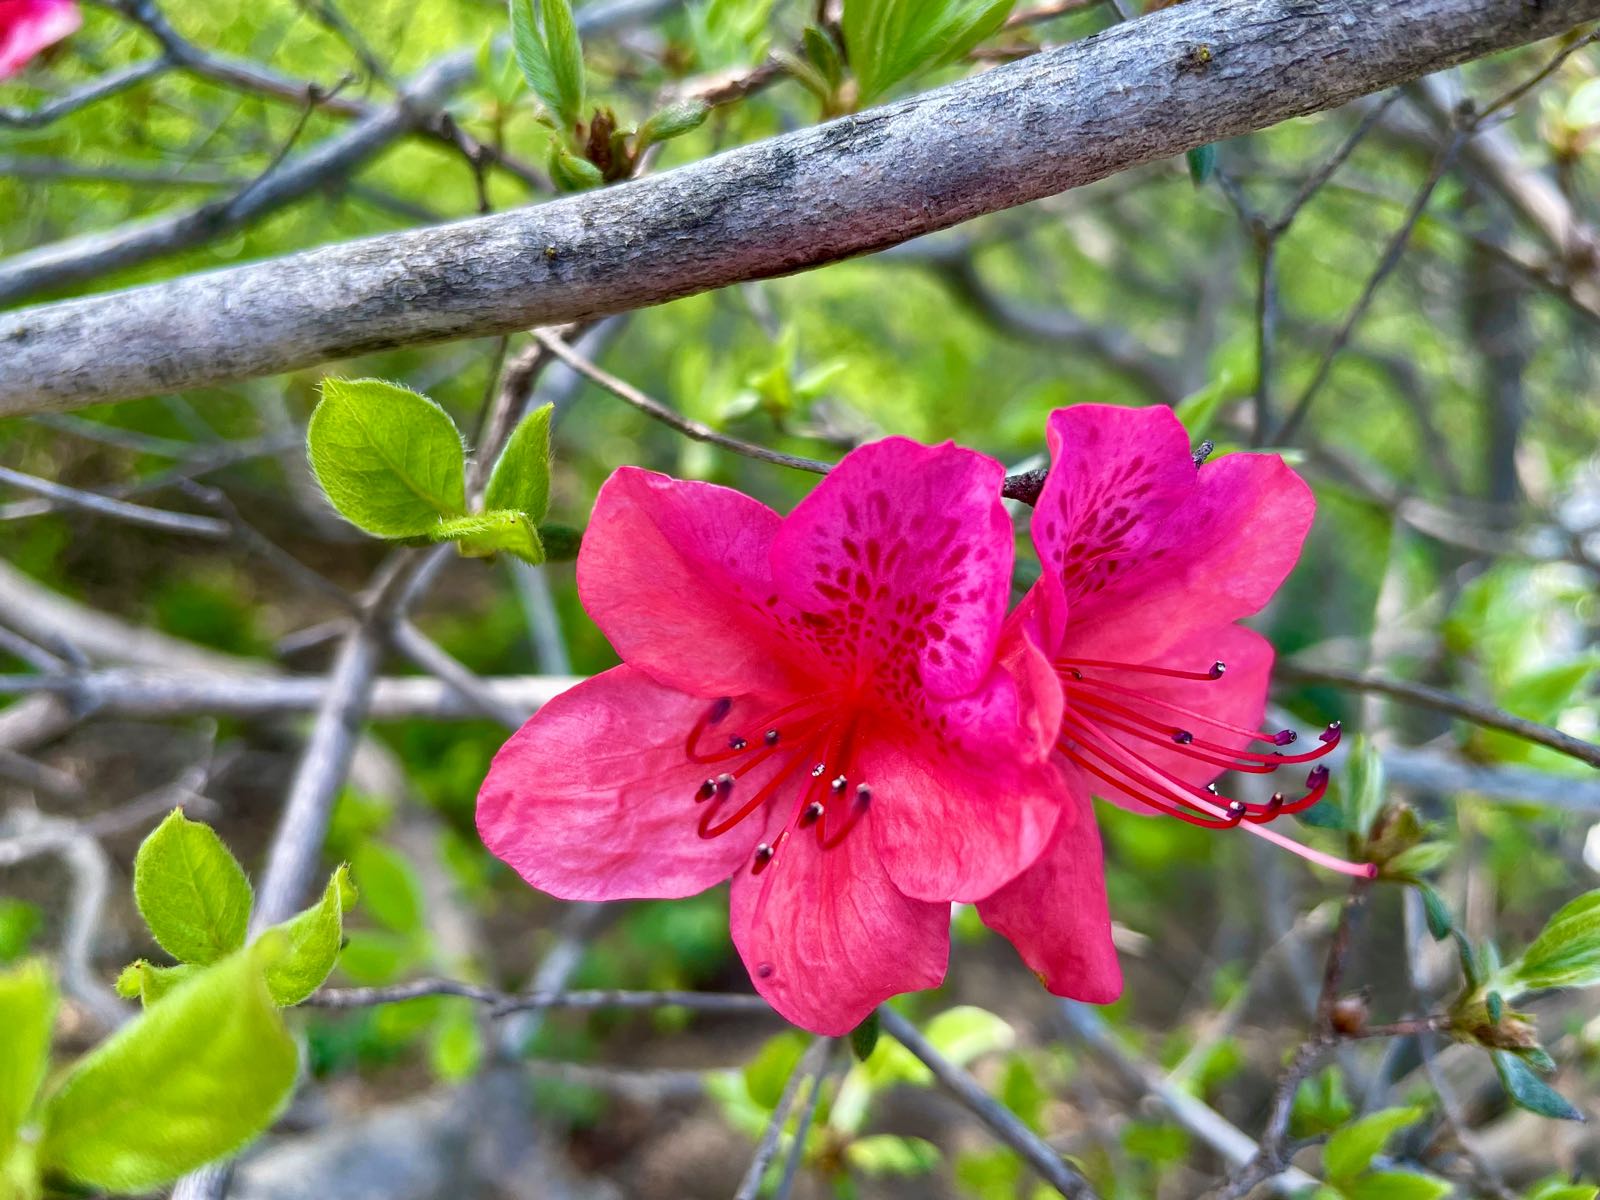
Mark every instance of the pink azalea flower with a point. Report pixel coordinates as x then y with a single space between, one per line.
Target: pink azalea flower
28 26
1148 562
811 705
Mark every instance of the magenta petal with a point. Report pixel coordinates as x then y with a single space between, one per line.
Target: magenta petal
956 831
676 575
1148 548
1238 699
1055 912
29 26
593 799
826 936
903 555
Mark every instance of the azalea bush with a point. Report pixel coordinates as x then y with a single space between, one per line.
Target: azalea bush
1101 701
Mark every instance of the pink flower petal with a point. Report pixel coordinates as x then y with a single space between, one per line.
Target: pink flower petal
1146 547
956 818
29 26
1055 912
593 799
1237 700
677 575
827 937
901 561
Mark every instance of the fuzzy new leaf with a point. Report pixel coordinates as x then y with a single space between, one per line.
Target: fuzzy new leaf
545 39
1565 954
145 982
521 478
190 1080
27 1013
389 459
191 891
486 533
313 939
891 40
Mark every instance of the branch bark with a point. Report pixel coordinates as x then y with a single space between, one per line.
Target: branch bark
1136 93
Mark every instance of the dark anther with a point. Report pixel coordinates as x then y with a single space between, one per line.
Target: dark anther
863 795
1212 788
1236 810
1182 736
737 743
706 790
763 853
771 737
719 710
1075 673
1284 736
1331 733
811 814
724 784
838 783
1318 778
1219 669
816 771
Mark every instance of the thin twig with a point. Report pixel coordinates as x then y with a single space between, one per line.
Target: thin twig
500 1003
120 510
1001 1121
809 1067
1419 694
670 417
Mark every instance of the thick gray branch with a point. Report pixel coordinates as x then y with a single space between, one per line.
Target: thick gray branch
1145 90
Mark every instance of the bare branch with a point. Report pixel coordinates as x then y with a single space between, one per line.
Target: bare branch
1447 702
1002 1122
809 1068
1013 134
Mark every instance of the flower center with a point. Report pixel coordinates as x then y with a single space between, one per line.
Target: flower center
1096 704
809 743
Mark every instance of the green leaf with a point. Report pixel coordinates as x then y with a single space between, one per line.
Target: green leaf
1440 920
1528 1091
864 1037
1422 859
191 891
550 56
560 542
487 533
1198 410
823 55
890 1154
19 922
389 887
566 57
190 1080
1565 954
147 983
313 938
890 40
521 478
27 1015
455 1044
965 1033
1364 789
1202 162
1558 1188
572 173
389 459
673 121
767 1073
1320 1104
1351 1150
1398 1185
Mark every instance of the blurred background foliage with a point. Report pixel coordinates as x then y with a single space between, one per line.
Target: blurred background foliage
1452 448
